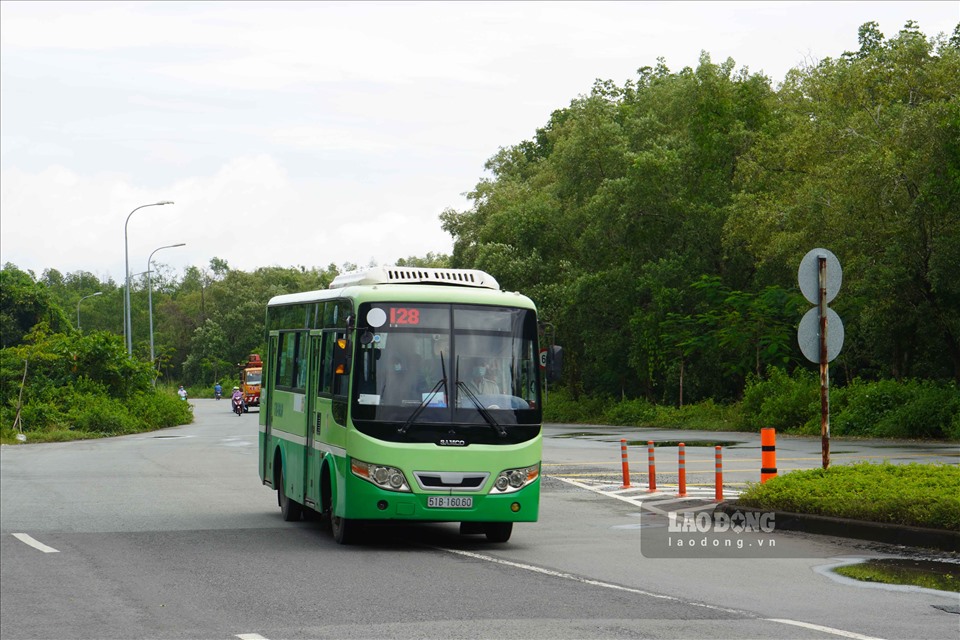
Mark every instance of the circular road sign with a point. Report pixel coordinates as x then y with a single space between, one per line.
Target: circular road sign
808 335
808 275
543 358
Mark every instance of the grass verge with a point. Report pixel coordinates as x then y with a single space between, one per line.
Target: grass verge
929 575
919 495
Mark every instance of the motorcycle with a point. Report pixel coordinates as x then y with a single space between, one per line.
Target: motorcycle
217 394
238 406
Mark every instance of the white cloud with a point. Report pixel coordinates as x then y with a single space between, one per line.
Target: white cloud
305 133
249 213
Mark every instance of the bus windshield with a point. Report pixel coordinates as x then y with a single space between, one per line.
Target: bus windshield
422 367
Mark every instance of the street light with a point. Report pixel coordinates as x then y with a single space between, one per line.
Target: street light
127 329
150 297
81 300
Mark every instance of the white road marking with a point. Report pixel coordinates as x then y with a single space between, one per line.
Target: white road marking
649 594
649 500
830 630
250 636
589 581
27 539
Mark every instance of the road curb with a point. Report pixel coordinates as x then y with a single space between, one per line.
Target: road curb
858 529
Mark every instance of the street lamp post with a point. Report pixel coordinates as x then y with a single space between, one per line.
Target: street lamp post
150 298
126 273
81 300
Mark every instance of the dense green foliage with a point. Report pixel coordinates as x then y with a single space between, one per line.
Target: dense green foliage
69 385
790 404
658 225
913 494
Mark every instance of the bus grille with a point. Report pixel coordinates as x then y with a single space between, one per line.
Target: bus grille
450 480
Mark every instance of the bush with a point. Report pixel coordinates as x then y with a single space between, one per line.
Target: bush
560 405
160 410
787 403
101 414
705 416
891 409
630 412
81 386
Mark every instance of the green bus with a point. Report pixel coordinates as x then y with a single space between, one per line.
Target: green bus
403 394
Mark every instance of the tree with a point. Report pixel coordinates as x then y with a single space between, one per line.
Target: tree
865 160
23 304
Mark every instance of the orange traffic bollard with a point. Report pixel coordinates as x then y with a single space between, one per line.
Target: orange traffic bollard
625 464
682 462
719 492
651 466
768 454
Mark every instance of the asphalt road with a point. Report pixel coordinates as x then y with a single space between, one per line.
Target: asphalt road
171 535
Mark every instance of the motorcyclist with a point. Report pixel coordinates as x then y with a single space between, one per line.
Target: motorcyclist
182 393
217 391
237 398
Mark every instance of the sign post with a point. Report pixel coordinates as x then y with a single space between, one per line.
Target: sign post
820 334
824 363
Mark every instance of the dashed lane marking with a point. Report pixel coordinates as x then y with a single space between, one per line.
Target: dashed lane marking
36 544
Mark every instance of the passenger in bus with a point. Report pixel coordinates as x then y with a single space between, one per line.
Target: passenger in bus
401 381
480 380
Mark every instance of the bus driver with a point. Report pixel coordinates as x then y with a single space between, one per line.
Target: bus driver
480 381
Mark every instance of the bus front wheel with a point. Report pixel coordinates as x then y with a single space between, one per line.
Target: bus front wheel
498 531
344 529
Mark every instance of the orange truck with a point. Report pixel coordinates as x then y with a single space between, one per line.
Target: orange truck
250 374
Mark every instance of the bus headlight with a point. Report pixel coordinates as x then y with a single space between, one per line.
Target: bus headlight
511 480
381 475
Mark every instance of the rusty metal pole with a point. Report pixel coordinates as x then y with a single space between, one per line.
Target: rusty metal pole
824 365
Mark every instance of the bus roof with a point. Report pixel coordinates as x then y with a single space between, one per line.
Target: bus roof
416 275
407 292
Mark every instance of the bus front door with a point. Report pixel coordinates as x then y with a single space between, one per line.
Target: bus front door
266 415
311 469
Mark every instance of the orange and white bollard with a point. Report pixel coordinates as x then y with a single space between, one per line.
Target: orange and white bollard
682 468
625 464
719 464
651 467
768 454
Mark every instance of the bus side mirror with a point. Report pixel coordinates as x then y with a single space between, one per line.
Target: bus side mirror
554 363
341 356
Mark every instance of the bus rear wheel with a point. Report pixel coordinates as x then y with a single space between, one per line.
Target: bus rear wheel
498 531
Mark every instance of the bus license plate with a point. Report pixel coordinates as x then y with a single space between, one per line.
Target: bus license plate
450 502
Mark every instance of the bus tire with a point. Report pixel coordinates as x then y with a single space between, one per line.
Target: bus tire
344 529
498 531
290 509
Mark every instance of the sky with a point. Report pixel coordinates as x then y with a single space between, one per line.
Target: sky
317 133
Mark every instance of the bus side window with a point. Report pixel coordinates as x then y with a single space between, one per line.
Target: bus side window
301 361
326 370
286 359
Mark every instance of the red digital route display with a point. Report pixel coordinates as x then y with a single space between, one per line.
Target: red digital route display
404 316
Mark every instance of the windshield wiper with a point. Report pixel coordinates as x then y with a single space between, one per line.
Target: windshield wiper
442 382
483 412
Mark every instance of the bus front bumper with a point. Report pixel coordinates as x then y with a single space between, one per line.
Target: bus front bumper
369 502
